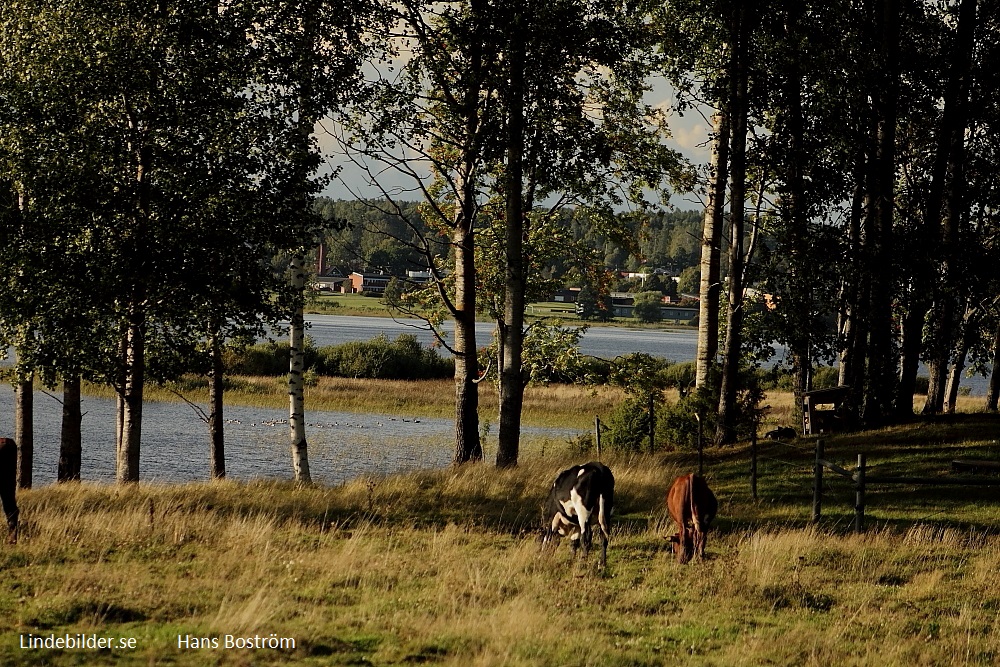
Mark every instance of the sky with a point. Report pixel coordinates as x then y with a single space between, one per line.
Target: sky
690 138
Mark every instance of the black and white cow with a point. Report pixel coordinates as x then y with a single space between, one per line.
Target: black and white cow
8 484
581 496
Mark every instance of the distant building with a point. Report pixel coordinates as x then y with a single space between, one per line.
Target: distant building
329 283
418 277
369 282
566 295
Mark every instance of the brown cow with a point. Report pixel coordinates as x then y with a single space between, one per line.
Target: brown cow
8 484
692 506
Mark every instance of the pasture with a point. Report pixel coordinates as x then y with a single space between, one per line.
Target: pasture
444 567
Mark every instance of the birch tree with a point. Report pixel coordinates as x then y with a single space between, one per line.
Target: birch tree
309 54
576 131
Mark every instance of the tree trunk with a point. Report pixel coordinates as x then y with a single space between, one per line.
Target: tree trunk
131 399
24 433
955 377
468 446
515 283
852 324
958 356
216 421
800 300
911 337
946 184
993 393
726 430
71 443
882 364
711 244
296 375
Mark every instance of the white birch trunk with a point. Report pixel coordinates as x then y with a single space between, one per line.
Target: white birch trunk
296 377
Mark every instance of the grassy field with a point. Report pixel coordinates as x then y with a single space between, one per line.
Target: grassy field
346 304
355 304
444 567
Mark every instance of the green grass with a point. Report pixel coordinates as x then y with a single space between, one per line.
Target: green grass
355 304
347 304
443 567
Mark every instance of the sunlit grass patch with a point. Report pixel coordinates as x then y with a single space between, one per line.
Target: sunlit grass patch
445 567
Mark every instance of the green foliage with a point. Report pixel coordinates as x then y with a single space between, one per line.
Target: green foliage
366 235
678 376
646 307
380 358
551 353
680 421
640 374
592 305
825 377
269 358
690 280
393 292
628 426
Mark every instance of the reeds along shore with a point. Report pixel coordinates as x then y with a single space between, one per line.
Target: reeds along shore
572 406
444 567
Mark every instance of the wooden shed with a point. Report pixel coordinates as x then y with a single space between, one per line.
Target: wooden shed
821 409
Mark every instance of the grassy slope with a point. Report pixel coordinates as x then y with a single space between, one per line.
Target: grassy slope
443 567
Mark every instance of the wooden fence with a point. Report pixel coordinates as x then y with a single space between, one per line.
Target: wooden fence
862 480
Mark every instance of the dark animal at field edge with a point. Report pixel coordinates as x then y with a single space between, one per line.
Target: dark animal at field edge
580 496
781 433
8 485
693 507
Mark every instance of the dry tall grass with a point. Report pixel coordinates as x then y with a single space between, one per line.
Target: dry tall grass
569 406
444 567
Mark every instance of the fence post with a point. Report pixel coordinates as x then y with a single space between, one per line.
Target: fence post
859 500
597 435
700 446
753 465
818 482
652 424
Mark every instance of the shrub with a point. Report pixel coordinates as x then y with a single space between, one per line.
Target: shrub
678 375
270 358
646 307
826 377
679 423
401 359
628 426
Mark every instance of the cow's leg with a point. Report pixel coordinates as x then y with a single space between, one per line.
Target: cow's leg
8 485
684 545
582 516
602 523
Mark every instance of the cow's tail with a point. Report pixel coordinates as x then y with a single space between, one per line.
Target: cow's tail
695 519
602 516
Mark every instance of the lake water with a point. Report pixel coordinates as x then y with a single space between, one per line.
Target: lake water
604 342
342 446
